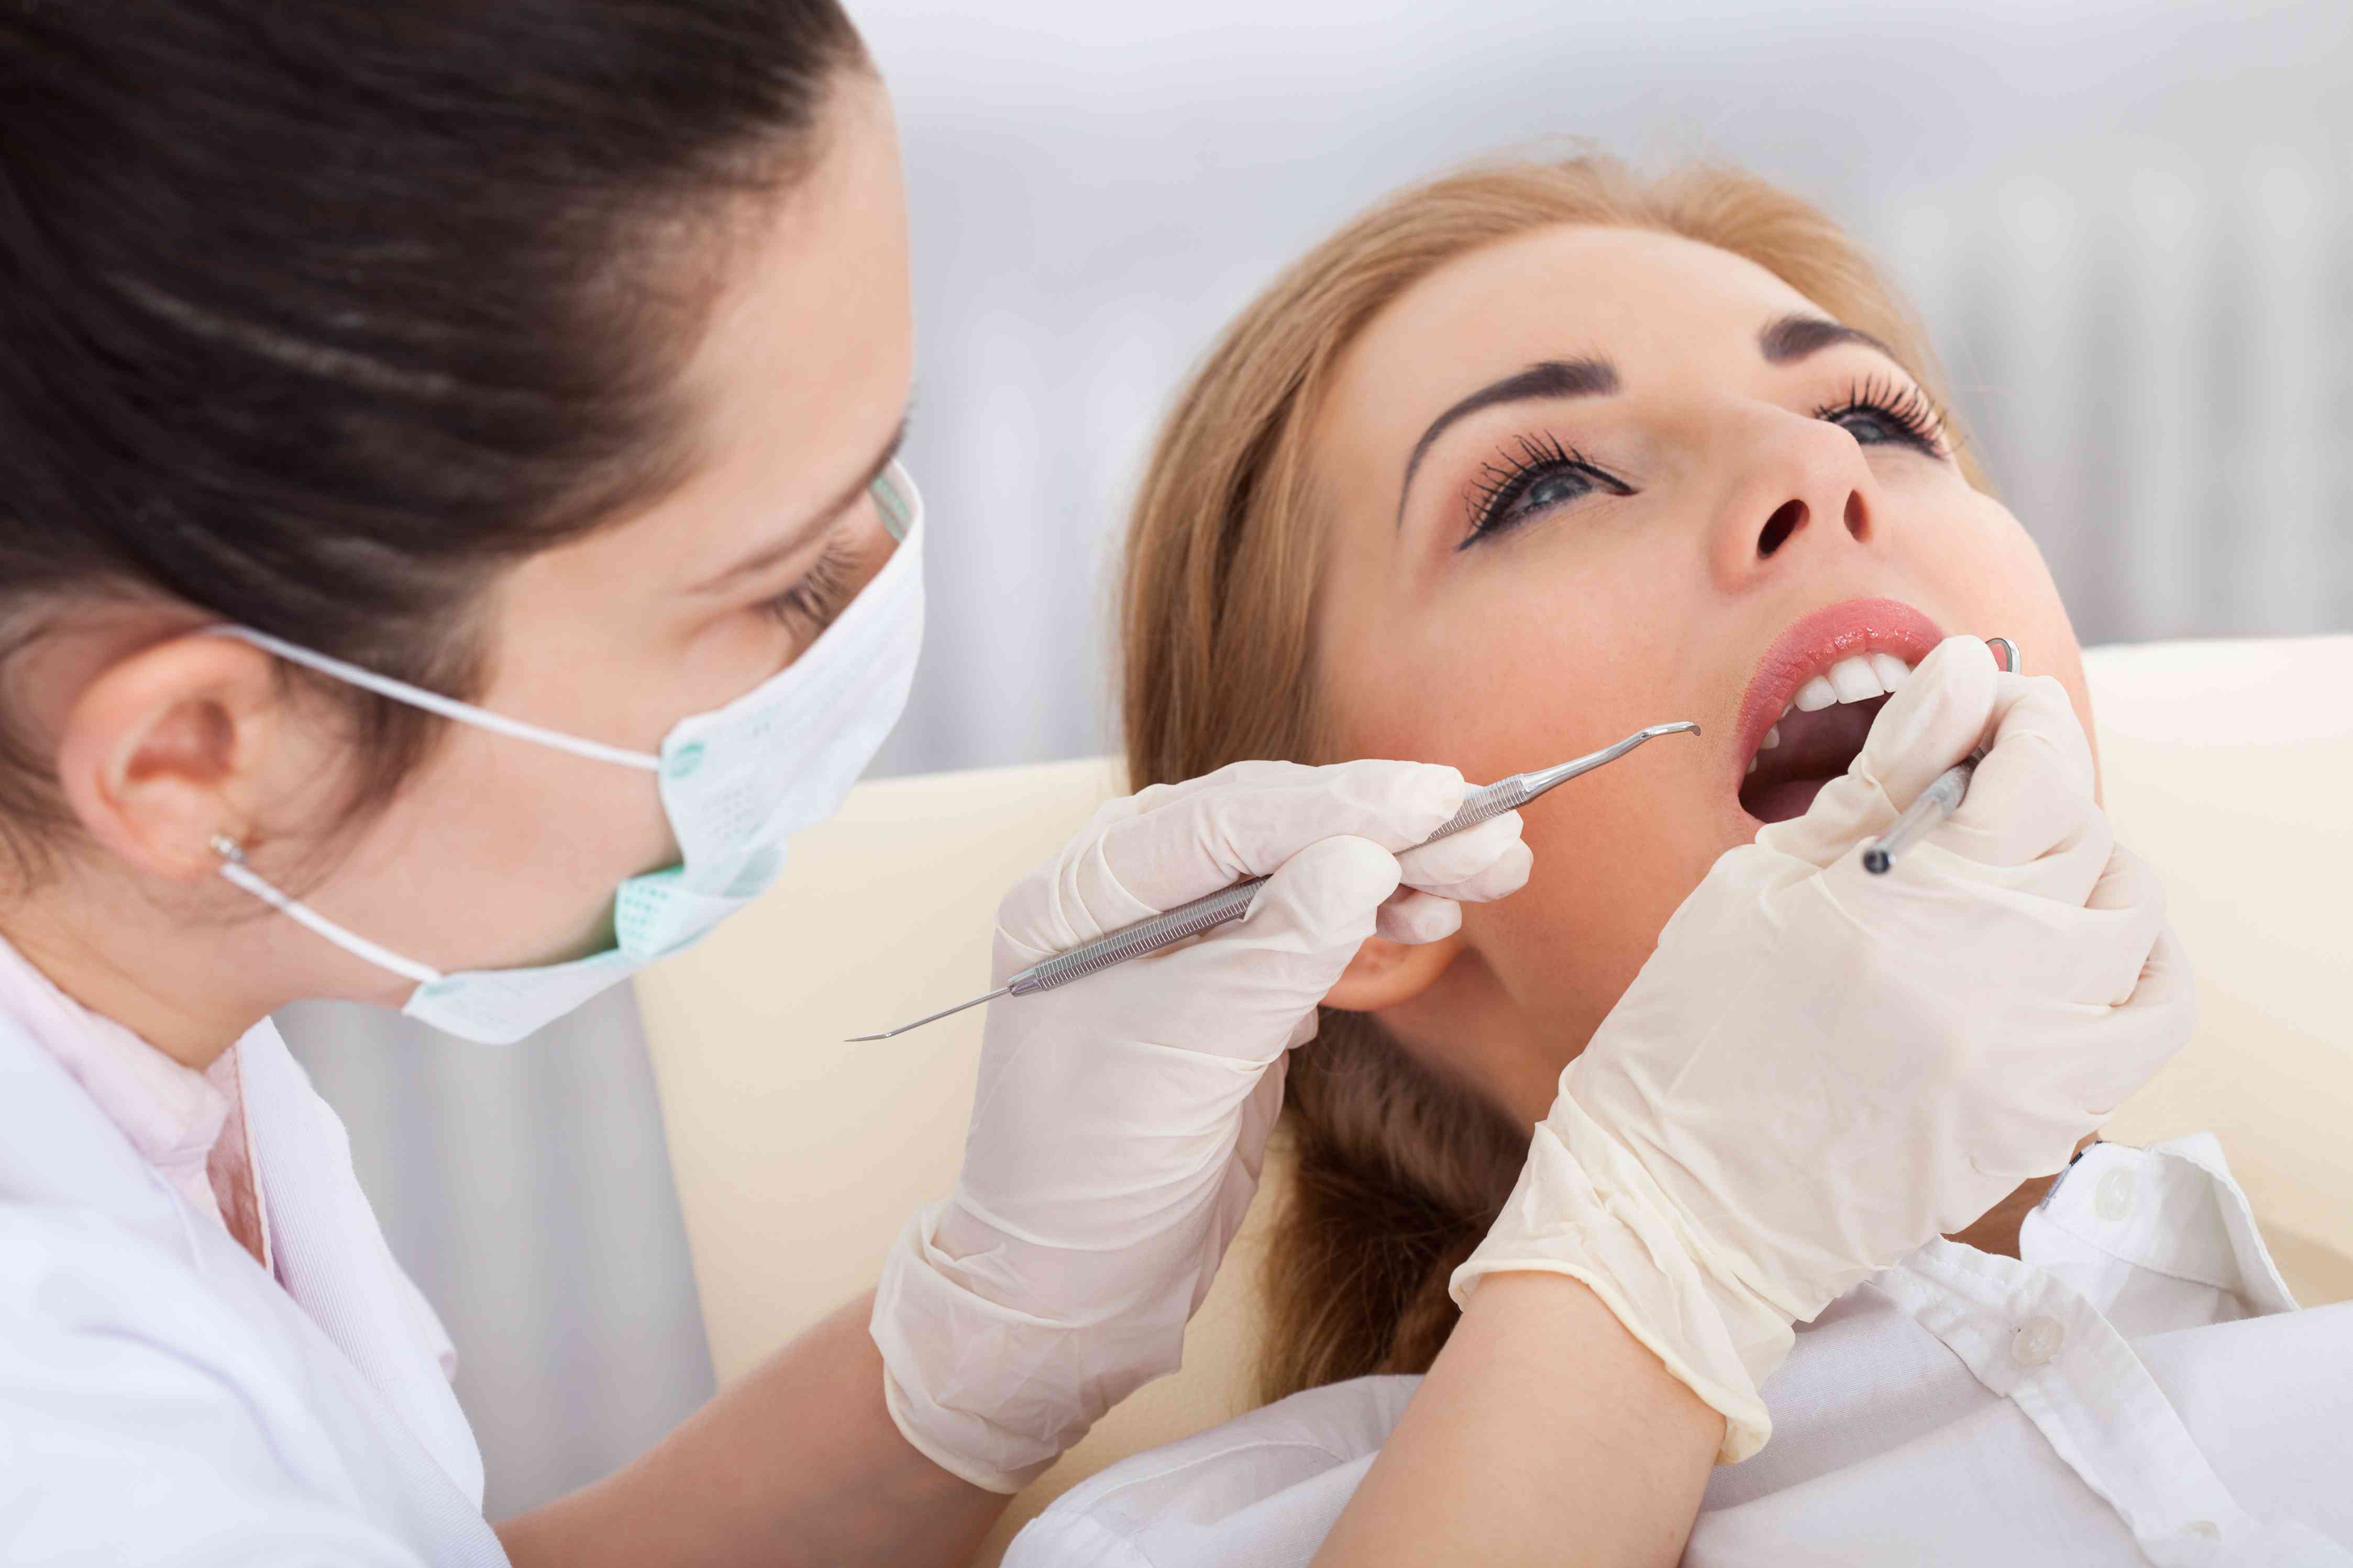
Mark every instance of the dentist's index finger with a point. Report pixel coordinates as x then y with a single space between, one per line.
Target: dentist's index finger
1194 841
2030 798
2034 713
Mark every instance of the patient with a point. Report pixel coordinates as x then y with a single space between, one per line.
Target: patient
1516 463
1510 468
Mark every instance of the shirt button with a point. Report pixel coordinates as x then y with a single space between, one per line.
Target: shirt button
2112 1200
2037 1340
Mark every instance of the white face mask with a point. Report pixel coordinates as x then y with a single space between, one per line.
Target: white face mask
735 784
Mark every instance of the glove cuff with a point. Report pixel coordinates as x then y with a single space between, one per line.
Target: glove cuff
986 1389
1586 1208
952 1366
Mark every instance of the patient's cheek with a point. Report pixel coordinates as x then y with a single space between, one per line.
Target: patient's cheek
1523 999
1541 970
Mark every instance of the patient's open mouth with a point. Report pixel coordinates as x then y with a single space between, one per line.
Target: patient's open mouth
1808 747
1813 697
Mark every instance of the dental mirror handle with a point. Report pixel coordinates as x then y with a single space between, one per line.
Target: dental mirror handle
1190 919
1944 792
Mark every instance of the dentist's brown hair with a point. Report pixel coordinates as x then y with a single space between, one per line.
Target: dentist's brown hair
318 317
1399 1170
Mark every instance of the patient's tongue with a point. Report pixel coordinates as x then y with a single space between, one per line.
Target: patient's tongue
1780 802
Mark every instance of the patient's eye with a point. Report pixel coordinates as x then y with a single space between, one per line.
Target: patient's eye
1531 478
1879 413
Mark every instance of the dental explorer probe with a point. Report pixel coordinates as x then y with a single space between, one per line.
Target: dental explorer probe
1944 792
1205 913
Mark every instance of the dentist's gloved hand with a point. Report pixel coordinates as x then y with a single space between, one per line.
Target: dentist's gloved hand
1820 1071
1120 1120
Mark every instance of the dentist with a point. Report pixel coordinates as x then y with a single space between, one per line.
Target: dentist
450 540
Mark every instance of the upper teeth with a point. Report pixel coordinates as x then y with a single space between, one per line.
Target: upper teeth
1856 680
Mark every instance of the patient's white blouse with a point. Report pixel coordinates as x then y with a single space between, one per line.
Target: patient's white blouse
2137 1387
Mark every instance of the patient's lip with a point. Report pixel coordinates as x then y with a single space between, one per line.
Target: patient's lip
1814 642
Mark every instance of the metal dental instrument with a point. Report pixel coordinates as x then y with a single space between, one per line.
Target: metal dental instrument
1944 792
1205 913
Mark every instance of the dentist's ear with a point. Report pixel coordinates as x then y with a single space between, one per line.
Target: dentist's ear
163 749
1385 973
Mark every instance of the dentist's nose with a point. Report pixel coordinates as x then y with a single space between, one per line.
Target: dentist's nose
1801 488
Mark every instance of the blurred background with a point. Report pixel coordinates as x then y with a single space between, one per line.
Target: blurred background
2129 224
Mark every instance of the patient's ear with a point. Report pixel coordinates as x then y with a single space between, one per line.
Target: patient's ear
1384 972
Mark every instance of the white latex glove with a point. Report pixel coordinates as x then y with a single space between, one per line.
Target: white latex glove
1819 1071
1120 1120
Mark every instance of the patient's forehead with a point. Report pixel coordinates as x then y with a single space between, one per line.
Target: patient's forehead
1659 306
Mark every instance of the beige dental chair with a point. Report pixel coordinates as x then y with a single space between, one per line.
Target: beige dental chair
2229 765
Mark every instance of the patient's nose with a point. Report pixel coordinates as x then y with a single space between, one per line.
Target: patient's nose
1803 489
1793 514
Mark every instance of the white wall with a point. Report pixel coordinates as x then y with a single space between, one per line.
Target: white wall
2080 193
2128 224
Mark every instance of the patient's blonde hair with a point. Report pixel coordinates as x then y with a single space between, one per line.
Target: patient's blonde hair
1399 1170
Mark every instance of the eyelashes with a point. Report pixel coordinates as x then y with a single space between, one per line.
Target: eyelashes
1532 475
1879 410
813 604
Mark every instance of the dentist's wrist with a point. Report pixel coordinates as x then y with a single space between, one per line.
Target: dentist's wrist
948 1355
1588 1213
992 1378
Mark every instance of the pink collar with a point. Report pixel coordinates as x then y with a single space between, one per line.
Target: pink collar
172 1115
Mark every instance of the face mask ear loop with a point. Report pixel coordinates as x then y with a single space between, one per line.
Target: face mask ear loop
234 869
434 702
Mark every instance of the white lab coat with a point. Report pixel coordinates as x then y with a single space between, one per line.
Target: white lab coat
165 1401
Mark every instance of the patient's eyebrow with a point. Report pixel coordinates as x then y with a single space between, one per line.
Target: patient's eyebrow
1546 379
1796 335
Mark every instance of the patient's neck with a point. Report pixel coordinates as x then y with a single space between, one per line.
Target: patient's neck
1995 1230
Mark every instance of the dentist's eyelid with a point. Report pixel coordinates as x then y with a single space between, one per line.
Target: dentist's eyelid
858 502
813 600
